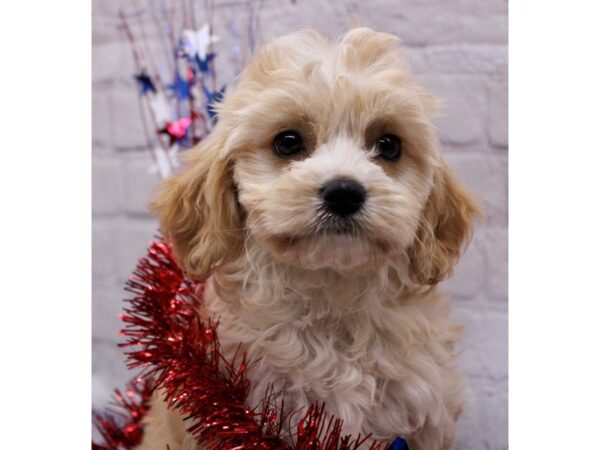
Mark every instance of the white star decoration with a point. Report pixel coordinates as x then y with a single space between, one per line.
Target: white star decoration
198 42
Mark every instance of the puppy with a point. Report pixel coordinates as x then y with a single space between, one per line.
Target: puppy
323 216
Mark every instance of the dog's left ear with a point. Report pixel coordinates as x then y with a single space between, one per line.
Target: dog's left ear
445 229
198 208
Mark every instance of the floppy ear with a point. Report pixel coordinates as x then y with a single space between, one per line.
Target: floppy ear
198 208
446 228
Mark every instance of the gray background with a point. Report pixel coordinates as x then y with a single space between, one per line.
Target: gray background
458 48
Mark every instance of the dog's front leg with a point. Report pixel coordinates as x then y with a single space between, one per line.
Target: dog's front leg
164 427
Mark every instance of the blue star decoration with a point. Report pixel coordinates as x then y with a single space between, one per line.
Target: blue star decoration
212 99
204 63
181 88
146 83
399 444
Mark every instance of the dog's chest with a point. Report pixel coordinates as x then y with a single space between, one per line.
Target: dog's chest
373 362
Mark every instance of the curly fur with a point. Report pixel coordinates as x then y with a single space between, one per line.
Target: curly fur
353 319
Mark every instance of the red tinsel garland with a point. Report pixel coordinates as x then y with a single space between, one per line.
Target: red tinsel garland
181 356
121 427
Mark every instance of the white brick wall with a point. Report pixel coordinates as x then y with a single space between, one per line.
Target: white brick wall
459 50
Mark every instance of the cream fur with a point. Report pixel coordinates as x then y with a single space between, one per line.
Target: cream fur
354 320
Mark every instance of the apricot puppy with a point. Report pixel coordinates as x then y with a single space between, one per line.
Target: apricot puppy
323 216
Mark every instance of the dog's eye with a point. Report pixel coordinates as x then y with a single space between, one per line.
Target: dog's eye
389 147
287 143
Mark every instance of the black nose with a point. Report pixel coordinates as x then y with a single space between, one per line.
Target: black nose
343 196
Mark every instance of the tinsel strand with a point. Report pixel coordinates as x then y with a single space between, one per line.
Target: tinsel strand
121 428
166 336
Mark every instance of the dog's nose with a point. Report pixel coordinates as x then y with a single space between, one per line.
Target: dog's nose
343 196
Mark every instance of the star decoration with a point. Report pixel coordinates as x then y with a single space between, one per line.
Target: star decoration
146 83
203 64
181 88
212 99
197 43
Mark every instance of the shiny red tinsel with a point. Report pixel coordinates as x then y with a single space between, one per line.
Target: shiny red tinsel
182 357
121 428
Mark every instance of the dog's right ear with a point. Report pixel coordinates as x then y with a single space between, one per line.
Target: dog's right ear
198 208
446 228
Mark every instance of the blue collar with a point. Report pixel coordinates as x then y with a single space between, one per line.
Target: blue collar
399 444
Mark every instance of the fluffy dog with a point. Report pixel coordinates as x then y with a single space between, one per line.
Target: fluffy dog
323 216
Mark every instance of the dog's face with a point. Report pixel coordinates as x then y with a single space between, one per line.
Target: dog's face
324 153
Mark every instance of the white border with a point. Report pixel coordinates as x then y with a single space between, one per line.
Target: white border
554 225
46 222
